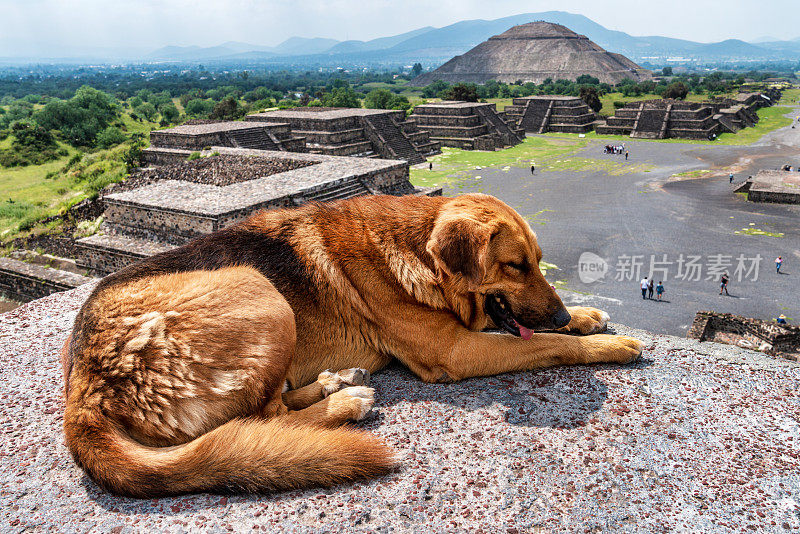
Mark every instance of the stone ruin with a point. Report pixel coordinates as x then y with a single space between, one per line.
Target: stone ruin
162 207
781 187
176 206
551 113
775 339
234 134
666 118
662 119
467 125
376 133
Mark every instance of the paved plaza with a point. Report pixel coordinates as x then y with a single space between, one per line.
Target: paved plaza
637 217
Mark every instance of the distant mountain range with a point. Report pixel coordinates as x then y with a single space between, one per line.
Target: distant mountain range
433 46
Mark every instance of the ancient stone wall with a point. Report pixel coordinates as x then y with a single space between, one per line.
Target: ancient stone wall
765 336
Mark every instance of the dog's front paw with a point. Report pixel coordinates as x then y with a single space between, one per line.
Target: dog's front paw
586 321
353 403
613 349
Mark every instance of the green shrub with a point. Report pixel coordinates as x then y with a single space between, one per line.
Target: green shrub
193 156
111 136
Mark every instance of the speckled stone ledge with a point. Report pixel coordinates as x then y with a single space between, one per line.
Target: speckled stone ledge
23 280
695 437
215 201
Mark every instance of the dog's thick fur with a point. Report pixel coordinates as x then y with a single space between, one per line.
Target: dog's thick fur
175 368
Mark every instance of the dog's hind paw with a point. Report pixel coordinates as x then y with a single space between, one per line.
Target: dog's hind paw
355 401
332 382
355 376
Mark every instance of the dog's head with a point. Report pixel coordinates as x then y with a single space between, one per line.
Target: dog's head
485 252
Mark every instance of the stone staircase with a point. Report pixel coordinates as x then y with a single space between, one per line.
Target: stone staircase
346 189
256 138
386 134
511 136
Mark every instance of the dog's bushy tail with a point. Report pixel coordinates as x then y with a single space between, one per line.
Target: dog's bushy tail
241 456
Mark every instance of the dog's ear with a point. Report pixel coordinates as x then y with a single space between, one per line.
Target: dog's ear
458 246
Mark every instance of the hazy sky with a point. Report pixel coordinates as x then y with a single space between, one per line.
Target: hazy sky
61 27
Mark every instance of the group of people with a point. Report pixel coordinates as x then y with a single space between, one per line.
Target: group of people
648 287
616 149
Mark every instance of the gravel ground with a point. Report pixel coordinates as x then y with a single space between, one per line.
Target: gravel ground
693 437
215 170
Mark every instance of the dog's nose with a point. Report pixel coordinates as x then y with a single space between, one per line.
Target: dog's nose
561 318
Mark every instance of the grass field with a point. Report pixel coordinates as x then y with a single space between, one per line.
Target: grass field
31 193
26 195
455 167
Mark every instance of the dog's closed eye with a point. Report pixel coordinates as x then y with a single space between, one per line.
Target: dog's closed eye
516 268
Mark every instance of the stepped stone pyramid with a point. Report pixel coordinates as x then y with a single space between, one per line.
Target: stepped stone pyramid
534 52
467 125
378 133
551 113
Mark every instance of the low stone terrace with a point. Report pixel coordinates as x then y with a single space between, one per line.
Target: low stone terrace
467 125
167 213
356 132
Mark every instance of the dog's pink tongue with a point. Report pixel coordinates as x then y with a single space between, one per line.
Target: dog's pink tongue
524 333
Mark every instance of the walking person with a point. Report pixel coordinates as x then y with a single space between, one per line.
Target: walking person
730 178
650 289
626 155
659 290
533 167
778 263
430 165
644 285
723 283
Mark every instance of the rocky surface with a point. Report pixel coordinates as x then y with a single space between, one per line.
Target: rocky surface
693 437
219 170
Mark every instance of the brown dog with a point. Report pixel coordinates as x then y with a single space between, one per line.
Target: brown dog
176 365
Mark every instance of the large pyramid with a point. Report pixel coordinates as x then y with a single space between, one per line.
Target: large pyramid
534 52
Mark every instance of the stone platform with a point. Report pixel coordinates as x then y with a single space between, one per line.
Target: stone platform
781 187
355 132
781 340
467 125
662 119
234 134
551 113
695 437
168 213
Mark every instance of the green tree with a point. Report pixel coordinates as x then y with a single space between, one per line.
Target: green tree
146 110
227 109
169 112
199 107
585 79
468 92
341 97
416 70
435 88
677 90
589 95
666 71
80 118
378 99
